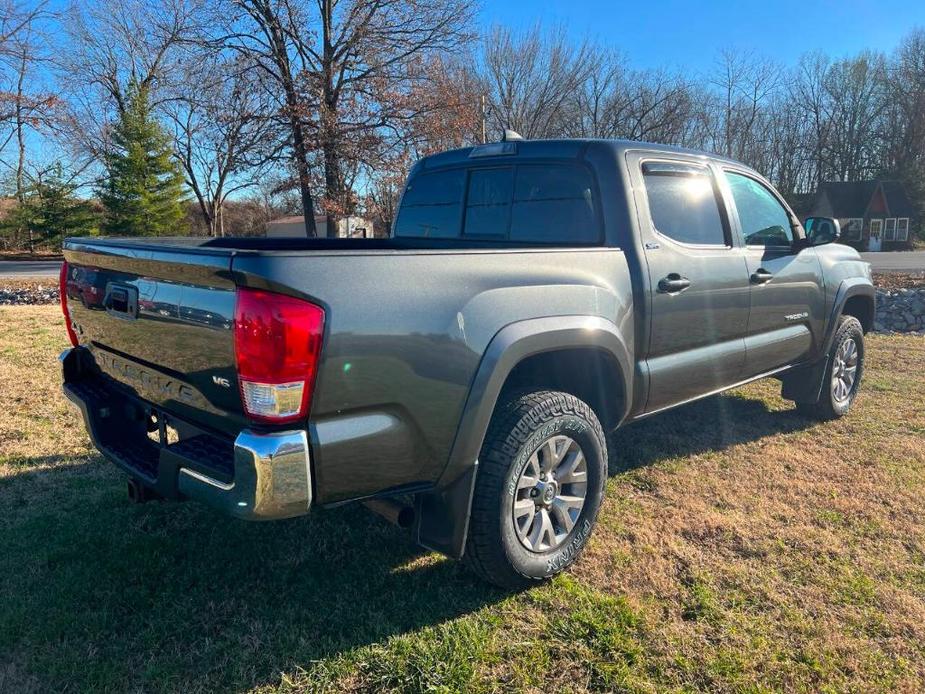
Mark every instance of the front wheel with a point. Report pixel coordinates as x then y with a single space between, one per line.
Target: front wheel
538 489
842 375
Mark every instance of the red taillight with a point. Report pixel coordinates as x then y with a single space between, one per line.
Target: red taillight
62 289
277 343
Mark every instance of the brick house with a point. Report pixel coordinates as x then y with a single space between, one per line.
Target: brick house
874 215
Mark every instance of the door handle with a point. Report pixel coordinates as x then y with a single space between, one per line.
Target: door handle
673 283
761 276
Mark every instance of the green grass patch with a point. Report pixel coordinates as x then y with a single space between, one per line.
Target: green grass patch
741 548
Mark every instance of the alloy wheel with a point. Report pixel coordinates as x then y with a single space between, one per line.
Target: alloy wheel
845 370
550 495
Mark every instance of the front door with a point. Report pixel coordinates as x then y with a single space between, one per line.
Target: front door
876 235
785 324
698 283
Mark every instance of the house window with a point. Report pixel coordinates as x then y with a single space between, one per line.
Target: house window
876 227
889 230
902 229
853 228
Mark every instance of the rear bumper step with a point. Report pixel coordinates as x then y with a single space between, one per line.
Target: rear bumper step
258 476
272 478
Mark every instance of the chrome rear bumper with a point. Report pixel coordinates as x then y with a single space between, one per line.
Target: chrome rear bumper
259 476
272 478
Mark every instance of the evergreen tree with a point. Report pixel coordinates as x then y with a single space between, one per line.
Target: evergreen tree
143 193
50 212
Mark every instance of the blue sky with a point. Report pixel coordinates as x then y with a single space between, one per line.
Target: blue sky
688 35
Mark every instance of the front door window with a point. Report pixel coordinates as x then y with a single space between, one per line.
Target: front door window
763 220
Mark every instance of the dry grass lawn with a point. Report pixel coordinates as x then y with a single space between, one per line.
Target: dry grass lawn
741 547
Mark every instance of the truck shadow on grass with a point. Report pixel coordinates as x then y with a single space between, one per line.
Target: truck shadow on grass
711 424
101 594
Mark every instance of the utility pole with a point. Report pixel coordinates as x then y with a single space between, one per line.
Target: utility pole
484 113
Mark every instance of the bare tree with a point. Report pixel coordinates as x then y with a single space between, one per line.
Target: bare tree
268 33
904 126
345 72
599 99
532 77
28 108
116 43
809 89
24 104
224 138
856 91
745 83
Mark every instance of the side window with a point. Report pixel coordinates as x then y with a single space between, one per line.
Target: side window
431 205
683 203
764 220
488 203
554 203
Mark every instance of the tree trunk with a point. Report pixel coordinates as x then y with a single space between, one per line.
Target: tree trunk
300 155
332 186
329 144
21 143
266 15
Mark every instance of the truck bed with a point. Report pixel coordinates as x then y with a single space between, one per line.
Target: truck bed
292 244
406 324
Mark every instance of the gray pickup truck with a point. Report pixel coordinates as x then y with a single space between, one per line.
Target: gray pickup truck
460 376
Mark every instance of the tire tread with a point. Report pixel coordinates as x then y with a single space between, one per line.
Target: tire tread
823 408
517 416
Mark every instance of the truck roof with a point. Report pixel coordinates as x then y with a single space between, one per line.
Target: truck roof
562 148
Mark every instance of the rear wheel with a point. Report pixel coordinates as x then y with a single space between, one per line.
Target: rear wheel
843 373
538 490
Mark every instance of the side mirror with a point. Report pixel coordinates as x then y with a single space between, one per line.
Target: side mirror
821 230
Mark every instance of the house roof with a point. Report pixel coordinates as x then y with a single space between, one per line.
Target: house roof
897 200
852 199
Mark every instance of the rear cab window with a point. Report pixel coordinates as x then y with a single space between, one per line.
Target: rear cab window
529 203
431 206
488 202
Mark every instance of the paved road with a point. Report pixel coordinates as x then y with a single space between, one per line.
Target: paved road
909 261
905 261
29 268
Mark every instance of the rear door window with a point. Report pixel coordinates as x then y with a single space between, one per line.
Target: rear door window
432 205
683 203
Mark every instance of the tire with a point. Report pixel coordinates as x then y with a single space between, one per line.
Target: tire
835 400
528 432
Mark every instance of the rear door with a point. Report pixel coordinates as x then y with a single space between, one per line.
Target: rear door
785 325
698 282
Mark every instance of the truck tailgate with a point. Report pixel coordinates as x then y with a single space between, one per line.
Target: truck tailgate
159 322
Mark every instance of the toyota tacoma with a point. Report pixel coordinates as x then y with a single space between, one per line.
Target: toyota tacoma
461 376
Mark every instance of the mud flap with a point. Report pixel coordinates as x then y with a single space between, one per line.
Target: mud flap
805 383
443 515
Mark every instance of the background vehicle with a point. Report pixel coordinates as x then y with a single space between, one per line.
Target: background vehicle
534 295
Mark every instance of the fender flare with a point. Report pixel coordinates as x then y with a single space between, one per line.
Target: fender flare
855 286
804 384
443 514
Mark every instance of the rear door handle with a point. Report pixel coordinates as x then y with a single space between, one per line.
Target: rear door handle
673 283
761 276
